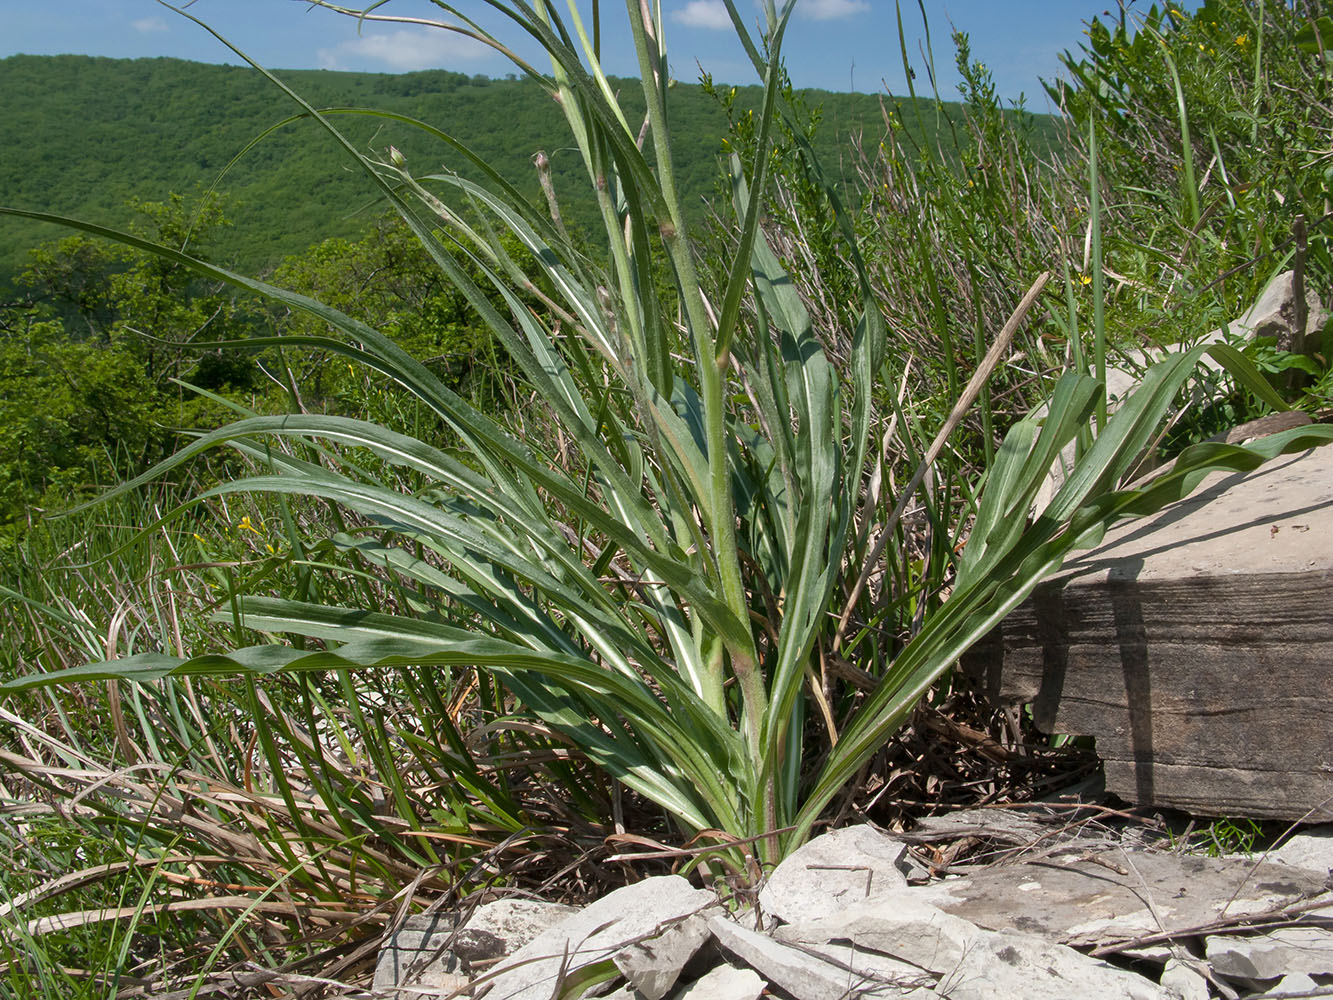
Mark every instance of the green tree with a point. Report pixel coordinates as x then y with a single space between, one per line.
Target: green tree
147 307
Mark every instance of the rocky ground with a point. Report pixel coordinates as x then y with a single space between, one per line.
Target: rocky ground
1065 905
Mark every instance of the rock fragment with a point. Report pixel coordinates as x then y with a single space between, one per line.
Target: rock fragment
1274 954
597 935
804 976
726 982
1312 849
1184 981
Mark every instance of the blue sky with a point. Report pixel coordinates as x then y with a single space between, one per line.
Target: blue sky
833 44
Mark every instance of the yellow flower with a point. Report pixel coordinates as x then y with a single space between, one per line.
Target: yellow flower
1085 279
1242 40
247 525
198 537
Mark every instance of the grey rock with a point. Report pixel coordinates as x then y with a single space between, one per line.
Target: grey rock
833 871
905 928
1312 849
1274 315
872 965
496 929
1276 953
1089 899
431 951
1182 980
652 967
1020 965
804 976
1297 983
726 982
596 934
417 955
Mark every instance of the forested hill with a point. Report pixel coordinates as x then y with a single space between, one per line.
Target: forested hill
83 136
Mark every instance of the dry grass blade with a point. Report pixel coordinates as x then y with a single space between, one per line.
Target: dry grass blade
292 908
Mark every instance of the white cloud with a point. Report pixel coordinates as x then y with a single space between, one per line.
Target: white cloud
149 25
831 10
711 14
407 49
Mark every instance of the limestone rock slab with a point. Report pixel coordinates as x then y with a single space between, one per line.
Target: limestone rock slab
1196 645
1184 981
435 951
1086 900
417 955
1019 965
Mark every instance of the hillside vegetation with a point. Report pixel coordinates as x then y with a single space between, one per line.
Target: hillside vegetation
83 136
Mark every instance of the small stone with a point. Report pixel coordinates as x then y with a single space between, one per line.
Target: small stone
1297 983
726 982
1271 955
597 935
652 967
1184 981
1312 849
802 975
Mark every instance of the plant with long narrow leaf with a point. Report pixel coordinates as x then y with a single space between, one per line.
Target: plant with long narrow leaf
659 589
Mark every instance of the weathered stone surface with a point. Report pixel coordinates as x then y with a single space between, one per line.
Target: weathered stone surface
907 928
1020 965
417 955
1184 981
597 933
804 976
496 929
652 967
872 965
1297 984
1010 826
1275 315
1084 902
1312 849
431 951
1276 953
832 871
726 982
1154 642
